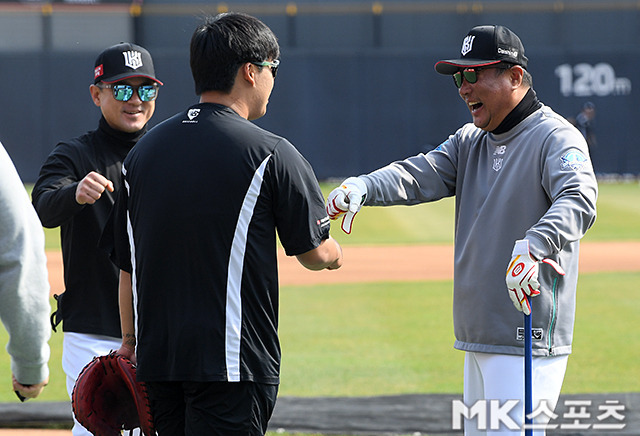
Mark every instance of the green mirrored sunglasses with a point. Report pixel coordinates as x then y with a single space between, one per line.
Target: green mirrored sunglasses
122 92
471 74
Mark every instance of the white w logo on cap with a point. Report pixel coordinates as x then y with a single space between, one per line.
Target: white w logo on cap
132 59
467 44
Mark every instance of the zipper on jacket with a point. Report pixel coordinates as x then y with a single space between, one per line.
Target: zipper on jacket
553 315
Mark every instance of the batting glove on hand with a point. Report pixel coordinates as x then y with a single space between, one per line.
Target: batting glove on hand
522 276
346 200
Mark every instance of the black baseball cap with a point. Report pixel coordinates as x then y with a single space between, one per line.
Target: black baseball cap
123 61
486 45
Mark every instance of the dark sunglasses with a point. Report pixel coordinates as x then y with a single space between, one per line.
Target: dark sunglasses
274 66
471 74
125 92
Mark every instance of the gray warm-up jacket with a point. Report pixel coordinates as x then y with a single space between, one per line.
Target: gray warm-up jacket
24 284
536 182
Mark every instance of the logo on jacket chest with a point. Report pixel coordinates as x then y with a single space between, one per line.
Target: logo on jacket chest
497 157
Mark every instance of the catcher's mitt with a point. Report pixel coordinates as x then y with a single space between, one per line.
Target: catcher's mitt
107 399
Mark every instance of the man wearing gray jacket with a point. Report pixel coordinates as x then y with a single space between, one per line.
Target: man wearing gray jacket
24 285
525 189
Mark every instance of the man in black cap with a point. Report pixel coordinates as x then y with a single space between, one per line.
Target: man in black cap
525 194
76 190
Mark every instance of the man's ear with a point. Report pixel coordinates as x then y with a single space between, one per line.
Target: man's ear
516 74
95 95
248 73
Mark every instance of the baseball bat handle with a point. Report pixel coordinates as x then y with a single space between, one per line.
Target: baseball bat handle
528 384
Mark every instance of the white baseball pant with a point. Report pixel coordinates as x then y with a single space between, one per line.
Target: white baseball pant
501 377
78 349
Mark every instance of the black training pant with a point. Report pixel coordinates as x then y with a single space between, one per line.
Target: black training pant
211 408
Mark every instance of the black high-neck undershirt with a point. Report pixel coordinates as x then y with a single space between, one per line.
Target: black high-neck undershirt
528 105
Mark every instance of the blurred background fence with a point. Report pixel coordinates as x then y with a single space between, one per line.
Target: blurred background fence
356 88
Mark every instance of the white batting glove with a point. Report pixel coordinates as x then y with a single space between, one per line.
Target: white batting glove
522 276
346 200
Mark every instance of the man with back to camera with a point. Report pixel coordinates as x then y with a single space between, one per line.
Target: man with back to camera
76 191
196 232
525 190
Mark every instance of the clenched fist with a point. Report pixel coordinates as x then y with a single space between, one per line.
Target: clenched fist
90 188
346 200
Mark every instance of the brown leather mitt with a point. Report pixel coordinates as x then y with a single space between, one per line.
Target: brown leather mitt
107 399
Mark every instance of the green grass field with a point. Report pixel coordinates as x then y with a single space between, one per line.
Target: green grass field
618 215
392 338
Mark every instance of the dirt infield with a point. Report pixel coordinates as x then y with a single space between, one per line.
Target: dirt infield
407 263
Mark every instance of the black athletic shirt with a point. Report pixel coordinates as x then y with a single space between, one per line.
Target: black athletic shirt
90 302
206 192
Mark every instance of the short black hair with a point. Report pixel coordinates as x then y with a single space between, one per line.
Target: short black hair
223 43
